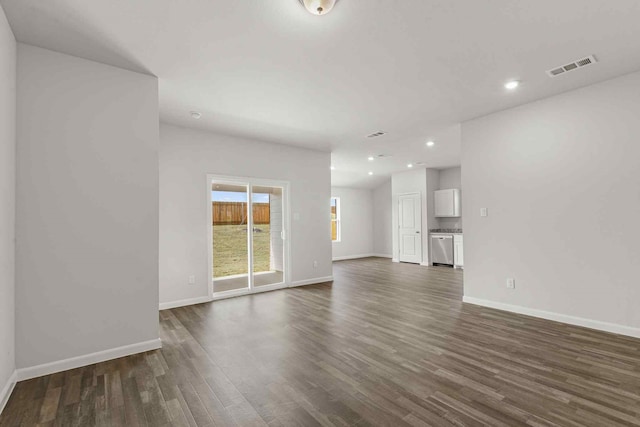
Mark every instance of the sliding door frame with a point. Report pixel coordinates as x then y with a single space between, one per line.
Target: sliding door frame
250 182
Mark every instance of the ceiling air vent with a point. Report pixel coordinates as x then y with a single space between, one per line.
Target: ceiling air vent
572 66
375 135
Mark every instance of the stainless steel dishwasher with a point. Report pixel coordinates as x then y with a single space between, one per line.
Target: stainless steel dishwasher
442 249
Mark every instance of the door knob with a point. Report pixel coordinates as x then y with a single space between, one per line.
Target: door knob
417 232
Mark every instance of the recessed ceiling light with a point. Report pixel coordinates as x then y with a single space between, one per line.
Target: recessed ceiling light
333 168
410 165
319 7
430 143
376 134
512 84
370 158
196 115
370 173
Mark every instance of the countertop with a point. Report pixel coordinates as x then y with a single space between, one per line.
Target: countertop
445 231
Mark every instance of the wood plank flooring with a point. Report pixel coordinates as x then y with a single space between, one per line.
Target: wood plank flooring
385 344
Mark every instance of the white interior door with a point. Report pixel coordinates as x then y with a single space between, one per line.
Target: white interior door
410 228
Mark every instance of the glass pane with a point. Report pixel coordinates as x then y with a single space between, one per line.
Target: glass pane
230 247
268 246
334 218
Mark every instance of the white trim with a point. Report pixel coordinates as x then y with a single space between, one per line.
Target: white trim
425 264
394 259
250 254
209 228
564 318
87 359
242 292
7 389
343 258
383 255
246 291
313 281
183 302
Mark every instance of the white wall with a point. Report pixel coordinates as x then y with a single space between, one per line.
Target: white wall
356 219
450 178
7 200
433 182
187 156
382 223
276 226
87 207
560 178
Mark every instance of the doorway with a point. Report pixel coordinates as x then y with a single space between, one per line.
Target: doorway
248 230
410 228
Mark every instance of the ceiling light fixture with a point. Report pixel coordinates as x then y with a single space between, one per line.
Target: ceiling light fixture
409 165
370 158
512 84
319 7
195 115
430 143
370 173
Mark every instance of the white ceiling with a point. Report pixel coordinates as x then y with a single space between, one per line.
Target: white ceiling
413 68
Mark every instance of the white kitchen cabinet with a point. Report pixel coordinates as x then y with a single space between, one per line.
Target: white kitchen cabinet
458 252
447 202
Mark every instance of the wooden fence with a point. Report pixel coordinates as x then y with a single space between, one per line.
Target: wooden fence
235 213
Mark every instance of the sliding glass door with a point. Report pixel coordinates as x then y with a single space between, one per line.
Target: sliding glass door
248 230
230 243
268 234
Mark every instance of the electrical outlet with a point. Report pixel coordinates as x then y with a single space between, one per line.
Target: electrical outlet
192 280
315 264
511 283
484 212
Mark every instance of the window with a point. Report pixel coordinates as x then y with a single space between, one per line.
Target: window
335 219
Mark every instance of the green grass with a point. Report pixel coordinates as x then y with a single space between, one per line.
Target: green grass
230 249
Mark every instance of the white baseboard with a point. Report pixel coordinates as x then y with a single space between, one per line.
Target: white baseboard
242 292
395 260
183 302
7 389
564 318
382 255
313 281
346 257
87 359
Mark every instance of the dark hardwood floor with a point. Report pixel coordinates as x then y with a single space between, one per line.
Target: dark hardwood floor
386 344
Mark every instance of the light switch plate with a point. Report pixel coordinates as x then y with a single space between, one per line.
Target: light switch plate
484 212
511 283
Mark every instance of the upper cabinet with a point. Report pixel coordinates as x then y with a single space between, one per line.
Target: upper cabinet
447 202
